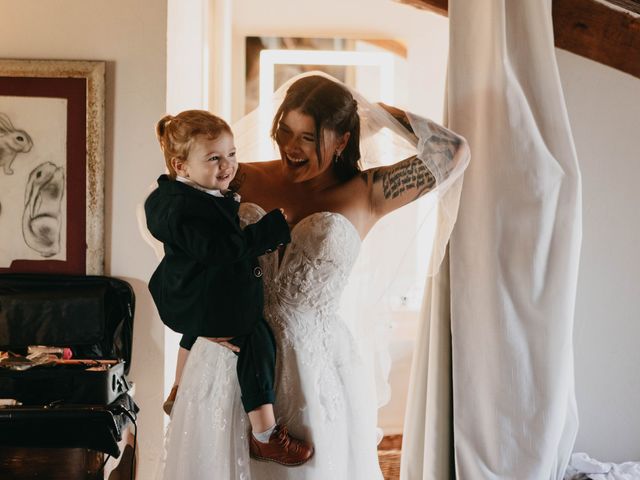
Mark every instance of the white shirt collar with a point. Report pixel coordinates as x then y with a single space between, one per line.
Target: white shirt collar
210 191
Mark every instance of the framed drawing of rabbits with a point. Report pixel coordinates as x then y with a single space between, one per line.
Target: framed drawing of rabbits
52 166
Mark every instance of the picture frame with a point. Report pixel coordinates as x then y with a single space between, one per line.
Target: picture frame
52 166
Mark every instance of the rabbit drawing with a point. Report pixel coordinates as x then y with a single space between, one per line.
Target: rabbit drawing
42 217
12 142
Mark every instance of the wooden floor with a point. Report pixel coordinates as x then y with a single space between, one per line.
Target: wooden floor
389 456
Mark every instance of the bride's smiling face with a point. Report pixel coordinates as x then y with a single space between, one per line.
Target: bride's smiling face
297 139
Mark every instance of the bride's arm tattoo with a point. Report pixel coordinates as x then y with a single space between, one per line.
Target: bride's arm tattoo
440 147
410 175
441 144
439 152
411 178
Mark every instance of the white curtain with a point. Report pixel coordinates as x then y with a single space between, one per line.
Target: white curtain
513 263
427 438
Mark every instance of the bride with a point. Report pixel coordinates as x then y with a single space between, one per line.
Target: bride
324 392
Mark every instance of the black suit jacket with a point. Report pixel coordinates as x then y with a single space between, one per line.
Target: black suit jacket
209 281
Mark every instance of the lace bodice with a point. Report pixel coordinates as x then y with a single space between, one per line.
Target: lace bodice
315 266
313 270
302 299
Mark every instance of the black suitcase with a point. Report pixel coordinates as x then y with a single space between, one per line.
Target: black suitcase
84 406
91 315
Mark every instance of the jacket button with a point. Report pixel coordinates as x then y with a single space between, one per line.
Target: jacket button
257 272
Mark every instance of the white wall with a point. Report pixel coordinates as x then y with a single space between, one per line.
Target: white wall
604 110
131 37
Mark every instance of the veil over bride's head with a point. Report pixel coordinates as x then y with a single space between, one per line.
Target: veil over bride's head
383 141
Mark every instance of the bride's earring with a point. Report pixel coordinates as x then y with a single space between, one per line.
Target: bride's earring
337 157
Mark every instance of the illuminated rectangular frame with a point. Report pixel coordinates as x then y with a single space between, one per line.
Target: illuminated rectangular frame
270 58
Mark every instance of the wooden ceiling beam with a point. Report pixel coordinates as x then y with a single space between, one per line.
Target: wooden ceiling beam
441 7
607 31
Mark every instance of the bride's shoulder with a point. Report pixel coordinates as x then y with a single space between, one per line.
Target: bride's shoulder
253 174
257 168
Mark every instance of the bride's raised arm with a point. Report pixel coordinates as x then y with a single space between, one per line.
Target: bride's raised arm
442 156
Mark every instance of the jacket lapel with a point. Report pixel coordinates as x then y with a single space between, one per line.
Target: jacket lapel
226 214
201 198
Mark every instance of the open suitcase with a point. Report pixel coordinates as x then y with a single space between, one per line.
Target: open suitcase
82 402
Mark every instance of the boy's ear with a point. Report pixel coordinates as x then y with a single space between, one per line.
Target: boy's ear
179 166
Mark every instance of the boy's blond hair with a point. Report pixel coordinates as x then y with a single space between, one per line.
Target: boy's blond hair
177 134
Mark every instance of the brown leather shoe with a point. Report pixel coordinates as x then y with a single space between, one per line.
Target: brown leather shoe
282 448
167 406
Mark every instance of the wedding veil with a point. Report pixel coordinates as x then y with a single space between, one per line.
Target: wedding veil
404 247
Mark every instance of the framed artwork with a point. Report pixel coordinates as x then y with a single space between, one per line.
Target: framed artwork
52 166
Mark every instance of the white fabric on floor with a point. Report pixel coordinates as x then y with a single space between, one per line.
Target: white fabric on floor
581 466
513 261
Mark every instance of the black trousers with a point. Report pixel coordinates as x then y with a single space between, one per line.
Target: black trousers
256 365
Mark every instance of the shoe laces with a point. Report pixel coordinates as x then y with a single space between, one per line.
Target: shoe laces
283 437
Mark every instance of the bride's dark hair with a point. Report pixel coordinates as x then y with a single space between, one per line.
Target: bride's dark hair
332 107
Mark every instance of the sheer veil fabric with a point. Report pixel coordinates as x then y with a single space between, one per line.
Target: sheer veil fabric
507 410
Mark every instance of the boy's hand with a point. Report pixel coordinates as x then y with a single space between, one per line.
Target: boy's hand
224 342
283 214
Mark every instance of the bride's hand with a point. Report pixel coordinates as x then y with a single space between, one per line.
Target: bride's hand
224 342
399 115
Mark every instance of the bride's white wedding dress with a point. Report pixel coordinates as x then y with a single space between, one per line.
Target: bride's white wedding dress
323 393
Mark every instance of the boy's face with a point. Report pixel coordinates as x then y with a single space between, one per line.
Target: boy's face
211 163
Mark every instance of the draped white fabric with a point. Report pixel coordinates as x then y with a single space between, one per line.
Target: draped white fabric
427 437
513 261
